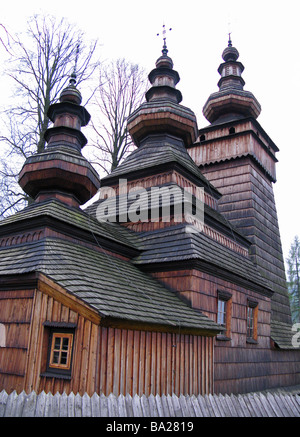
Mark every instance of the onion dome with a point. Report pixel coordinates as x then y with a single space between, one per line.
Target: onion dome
162 112
71 93
164 80
231 101
230 53
60 171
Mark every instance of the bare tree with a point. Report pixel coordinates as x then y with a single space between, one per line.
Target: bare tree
122 88
39 69
5 38
293 283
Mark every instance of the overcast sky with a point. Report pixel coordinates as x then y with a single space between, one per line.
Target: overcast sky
265 32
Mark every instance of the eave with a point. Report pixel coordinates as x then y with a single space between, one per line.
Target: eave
46 285
208 268
43 221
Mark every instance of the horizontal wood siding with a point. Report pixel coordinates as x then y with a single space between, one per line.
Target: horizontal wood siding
15 317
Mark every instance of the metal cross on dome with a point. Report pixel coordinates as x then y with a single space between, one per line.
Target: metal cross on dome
164 31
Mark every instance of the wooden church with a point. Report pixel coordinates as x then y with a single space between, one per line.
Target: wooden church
172 302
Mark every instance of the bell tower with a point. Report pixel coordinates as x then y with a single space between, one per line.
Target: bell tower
238 157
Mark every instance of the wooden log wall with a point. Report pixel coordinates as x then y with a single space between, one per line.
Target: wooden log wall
105 360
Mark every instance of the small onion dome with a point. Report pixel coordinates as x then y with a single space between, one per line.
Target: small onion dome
164 61
71 93
162 113
60 171
230 54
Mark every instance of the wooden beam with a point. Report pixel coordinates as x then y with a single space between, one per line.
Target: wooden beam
142 326
46 285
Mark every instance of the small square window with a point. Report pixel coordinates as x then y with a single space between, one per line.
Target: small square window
61 351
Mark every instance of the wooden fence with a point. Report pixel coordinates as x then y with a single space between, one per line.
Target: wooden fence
267 404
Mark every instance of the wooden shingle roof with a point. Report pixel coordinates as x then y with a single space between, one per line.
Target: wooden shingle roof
282 334
75 218
113 287
158 151
180 244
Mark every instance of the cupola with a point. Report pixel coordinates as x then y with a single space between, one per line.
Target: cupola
162 112
231 102
60 171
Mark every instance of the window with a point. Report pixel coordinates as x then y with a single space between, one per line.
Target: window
250 318
59 340
224 306
61 351
2 335
252 313
222 312
232 130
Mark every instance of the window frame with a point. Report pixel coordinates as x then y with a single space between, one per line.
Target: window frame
59 330
251 330
226 298
60 350
222 312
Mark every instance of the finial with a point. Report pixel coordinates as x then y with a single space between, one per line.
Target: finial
71 93
74 75
229 41
164 50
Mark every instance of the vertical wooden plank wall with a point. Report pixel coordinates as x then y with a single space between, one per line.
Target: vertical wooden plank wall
105 360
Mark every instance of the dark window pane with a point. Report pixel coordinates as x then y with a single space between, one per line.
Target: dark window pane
57 343
63 359
56 358
65 344
249 322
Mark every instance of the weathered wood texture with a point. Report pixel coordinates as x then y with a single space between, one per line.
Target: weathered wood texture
249 139
270 404
146 226
160 179
248 203
243 369
105 360
15 316
201 290
239 366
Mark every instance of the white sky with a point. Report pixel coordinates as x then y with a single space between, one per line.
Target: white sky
265 32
